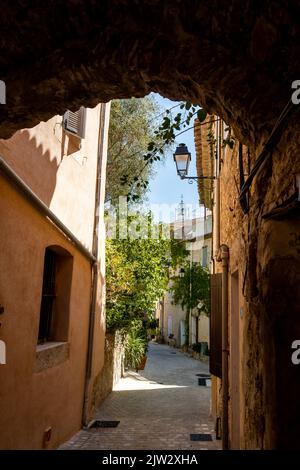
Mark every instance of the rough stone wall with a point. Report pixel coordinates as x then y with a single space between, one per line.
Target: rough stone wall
266 252
112 369
276 295
235 57
233 233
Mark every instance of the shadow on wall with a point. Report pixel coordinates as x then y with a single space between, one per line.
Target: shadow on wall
36 161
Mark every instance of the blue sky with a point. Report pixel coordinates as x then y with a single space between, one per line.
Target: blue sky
166 187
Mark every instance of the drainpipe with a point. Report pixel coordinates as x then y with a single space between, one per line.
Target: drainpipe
217 216
102 138
216 249
224 254
216 202
217 192
221 253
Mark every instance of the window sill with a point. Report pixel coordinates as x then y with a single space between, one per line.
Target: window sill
50 355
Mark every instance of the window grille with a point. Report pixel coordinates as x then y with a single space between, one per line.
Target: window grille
48 296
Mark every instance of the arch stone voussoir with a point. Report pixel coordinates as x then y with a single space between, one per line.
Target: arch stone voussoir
236 58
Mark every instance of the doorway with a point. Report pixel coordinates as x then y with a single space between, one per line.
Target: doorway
182 333
170 325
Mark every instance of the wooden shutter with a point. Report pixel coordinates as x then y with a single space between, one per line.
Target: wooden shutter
74 123
216 325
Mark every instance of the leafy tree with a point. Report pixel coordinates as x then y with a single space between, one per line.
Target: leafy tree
165 136
171 127
192 289
137 275
132 126
137 139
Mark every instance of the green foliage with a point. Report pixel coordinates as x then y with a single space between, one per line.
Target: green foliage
170 124
136 344
230 139
178 252
201 347
134 350
152 323
210 136
137 141
131 130
192 290
136 276
152 326
197 347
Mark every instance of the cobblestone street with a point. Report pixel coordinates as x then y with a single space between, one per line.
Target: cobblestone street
159 408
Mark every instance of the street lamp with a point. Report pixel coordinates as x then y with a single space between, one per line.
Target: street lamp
182 159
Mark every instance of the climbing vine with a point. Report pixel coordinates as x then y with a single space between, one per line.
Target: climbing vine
165 135
230 139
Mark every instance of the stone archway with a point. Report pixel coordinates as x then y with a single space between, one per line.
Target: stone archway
237 58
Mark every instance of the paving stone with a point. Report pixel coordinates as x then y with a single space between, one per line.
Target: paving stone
158 408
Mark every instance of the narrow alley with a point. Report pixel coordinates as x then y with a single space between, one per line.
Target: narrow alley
159 408
150 229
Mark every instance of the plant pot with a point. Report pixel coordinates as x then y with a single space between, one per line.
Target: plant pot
141 365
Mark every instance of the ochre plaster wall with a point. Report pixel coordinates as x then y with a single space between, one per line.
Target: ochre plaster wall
31 402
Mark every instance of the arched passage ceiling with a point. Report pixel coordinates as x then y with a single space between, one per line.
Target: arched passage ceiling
235 57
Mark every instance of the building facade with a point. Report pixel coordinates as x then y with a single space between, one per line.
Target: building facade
196 233
254 294
52 183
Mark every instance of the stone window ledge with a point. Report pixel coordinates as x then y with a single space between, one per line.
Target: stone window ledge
50 355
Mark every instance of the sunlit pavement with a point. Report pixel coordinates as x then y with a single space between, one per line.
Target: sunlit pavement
159 408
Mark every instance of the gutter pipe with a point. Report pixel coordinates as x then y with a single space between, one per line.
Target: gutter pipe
103 119
39 205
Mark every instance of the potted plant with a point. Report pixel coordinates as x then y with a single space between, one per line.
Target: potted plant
142 363
135 351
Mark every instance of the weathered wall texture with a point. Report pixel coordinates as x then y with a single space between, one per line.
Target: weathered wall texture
60 170
32 401
112 369
265 253
203 329
237 58
174 319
